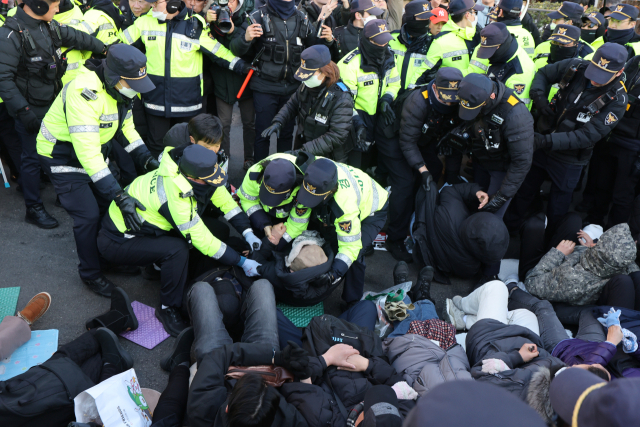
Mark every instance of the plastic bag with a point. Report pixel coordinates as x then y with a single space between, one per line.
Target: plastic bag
383 326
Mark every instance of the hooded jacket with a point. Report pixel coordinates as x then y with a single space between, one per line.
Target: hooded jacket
579 277
452 236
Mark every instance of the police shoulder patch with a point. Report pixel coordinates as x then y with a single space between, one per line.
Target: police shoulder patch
425 94
253 176
512 100
519 88
351 56
88 94
301 211
610 119
345 226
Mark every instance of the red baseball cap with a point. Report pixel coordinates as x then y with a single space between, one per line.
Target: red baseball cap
439 15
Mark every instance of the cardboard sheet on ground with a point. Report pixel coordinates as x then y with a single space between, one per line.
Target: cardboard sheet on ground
8 301
37 350
150 331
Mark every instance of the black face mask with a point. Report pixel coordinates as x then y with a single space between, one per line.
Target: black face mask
417 28
375 55
620 36
202 192
504 52
588 35
558 53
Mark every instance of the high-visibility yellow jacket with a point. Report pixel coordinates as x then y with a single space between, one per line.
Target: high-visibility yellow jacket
75 58
451 47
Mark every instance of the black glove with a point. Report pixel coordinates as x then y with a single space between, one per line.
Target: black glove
386 112
151 164
427 179
295 359
361 143
495 203
324 280
541 141
128 205
29 120
542 105
275 127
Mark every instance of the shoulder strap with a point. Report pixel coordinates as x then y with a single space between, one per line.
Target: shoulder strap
570 73
606 99
351 56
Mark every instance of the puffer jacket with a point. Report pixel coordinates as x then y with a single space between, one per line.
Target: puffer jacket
424 364
491 339
303 104
578 279
296 288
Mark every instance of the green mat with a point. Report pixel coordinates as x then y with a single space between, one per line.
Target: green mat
8 301
301 316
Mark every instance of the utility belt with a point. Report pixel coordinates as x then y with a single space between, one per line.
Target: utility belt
433 128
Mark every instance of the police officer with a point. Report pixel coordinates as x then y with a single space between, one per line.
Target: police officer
75 139
31 70
132 10
69 14
175 197
621 29
589 104
427 116
287 32
566 43
103 20
593 27
569 13
509 14
410 45
338 194
175 39
500 55
454 45
346 37
323 106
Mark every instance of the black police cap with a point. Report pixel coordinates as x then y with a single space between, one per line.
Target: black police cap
418 9
199 163
491 37
311 60
447 83
320 178
624 11
565 34
128 63
377 31
474 91
568 10
278 180
607 61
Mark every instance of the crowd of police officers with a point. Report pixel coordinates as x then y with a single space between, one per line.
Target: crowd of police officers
98 97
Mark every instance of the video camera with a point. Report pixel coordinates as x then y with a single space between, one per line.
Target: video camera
222 11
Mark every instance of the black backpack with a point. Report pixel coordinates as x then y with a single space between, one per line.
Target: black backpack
325 331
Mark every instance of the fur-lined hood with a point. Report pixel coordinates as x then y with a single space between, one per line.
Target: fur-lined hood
538 395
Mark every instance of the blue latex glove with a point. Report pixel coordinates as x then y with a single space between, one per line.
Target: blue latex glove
611 318
250 267
629 342
253 241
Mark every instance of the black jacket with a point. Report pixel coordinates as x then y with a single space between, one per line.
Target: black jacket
516 133
450 237
209 390
345 40
18 89
627 133
324 135
418 109
572 132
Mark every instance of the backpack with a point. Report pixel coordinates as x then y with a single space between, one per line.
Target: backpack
325 331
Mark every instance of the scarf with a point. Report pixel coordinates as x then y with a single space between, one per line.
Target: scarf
558 53
284 9
619 36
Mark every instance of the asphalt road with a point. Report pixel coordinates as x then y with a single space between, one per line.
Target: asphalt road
46 260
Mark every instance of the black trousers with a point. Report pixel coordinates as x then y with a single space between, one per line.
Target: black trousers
267 106
622 291
536 242
86 205
158 127
10 140
29 166
126 167
172 404
613 184
84 351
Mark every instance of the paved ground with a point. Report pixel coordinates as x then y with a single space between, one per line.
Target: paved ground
45 260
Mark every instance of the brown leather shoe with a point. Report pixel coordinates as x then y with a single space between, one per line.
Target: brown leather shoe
35 308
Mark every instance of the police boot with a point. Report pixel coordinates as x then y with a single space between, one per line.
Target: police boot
422 289
101 286
171 320
398 250
119 318
38 215
400 273
111 350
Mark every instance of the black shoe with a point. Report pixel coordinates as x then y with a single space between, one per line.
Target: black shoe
181 350
368 251
398 250
101 286
119 318
38 215
422 289
111 350
150 273
484 279
171 320
57 203
124 270
400 273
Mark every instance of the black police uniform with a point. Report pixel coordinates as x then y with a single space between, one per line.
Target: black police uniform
583 115
615 166
31 68
345 39
279 47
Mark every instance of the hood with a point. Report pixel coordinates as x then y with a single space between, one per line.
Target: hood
538 395
613 253
308 237
485 236
463 33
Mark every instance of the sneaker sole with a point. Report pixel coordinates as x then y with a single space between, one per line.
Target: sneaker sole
165 363
37 224
128 360
452 317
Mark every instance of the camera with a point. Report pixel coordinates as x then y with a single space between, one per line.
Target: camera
222 11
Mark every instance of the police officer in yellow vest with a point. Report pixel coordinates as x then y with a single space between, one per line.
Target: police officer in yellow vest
507 61
509 14
175 196
103 20
569 13
621 29
71 15
75 139
347 198
565 43
174 39
593 27
455 43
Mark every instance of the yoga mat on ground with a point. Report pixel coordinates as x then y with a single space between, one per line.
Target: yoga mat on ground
150 331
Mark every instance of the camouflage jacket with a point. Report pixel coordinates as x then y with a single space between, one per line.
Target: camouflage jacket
578 278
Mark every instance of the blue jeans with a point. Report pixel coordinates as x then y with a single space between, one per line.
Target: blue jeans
363 314
258 312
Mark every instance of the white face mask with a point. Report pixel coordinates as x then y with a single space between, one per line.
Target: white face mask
369 18
314 81
128 92
552 26
475 20
160 16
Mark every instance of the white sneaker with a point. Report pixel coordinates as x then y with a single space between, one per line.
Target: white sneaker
455 315
457 301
